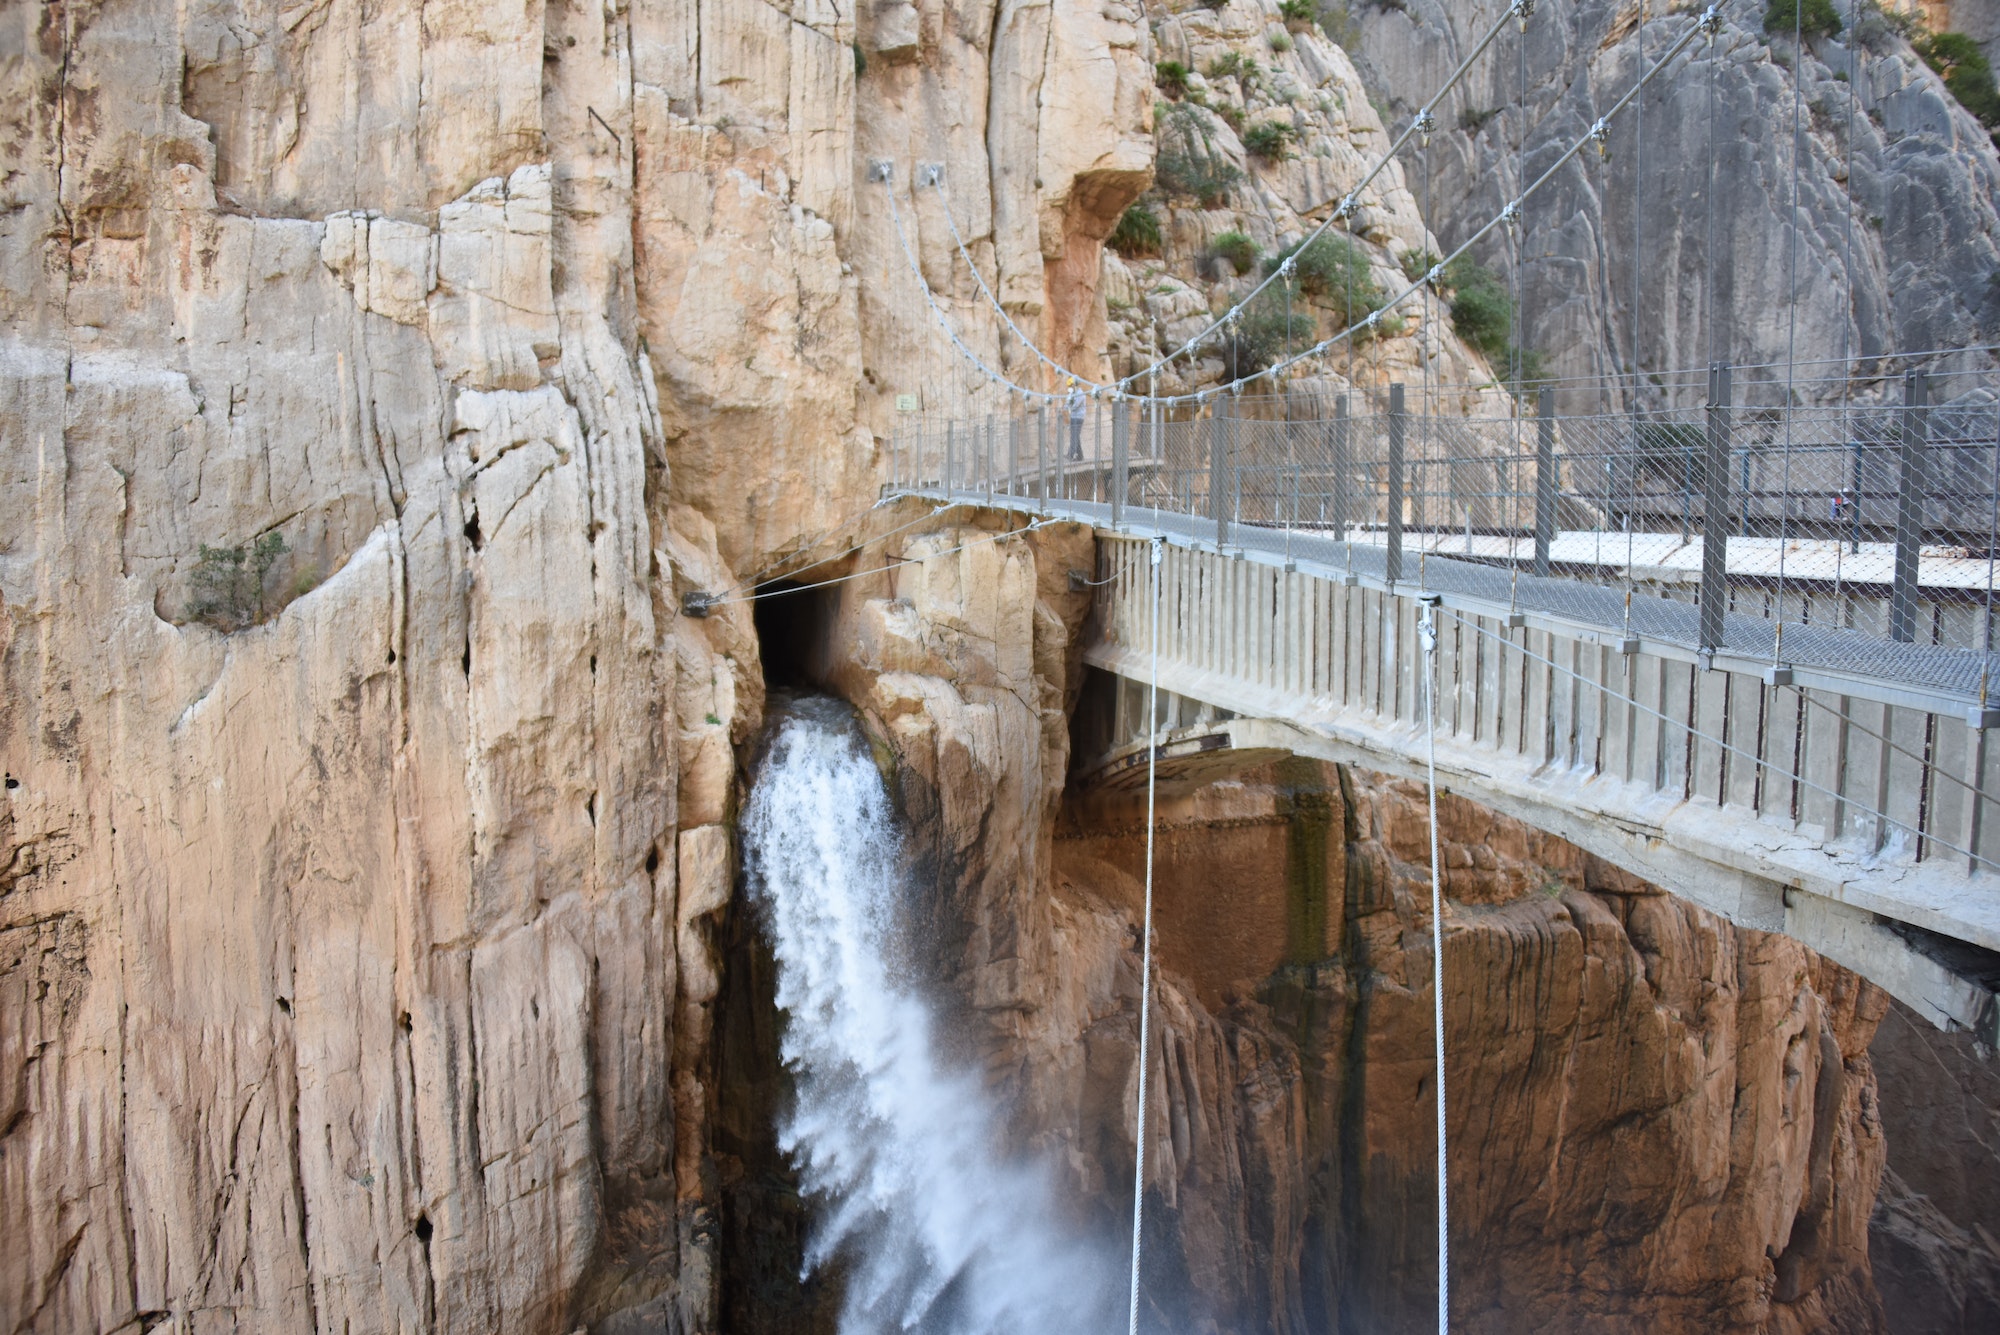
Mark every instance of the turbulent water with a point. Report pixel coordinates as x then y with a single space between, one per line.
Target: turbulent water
935 1230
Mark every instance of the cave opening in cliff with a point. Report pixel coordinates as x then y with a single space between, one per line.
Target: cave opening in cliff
793 621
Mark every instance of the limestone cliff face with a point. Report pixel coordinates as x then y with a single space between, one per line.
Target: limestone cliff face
1659 1121
1899 234
377 382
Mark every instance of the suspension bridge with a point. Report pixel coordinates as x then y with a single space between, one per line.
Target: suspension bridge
1735 636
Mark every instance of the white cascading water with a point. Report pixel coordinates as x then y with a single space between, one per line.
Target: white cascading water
938 1232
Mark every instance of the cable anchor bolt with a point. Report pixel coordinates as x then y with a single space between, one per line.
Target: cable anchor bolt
1426 124
1522 10
1600 134
881 169
1711 22
698 602
1427 620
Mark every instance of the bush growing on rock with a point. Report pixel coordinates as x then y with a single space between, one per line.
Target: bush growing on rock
1270 140
1297 13
1170 76
1813 18
1188 164
1966 72
1235 65
1264 332
1238 249
1333 270
1482 311
226 590
1279 41
1137 232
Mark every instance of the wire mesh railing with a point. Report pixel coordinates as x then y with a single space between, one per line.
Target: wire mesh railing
1862 531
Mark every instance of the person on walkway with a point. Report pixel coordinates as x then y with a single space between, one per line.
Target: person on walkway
1075 405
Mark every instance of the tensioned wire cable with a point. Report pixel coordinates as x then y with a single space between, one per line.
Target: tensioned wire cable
1157 546
884 569
1373 320
1518 9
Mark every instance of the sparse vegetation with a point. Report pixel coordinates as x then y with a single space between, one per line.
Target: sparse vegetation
1966 72
1335 272
1138 231
1238 249
1417 263
1270 140
1482 313
1297 13
1813 18
1278 40
1214 4
1472 120
226 590
1482 310
1264 332
1235 65
1188 165
1171 77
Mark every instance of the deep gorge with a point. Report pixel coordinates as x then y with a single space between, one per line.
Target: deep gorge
439 440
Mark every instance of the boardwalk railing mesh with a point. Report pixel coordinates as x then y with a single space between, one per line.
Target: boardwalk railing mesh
1857 533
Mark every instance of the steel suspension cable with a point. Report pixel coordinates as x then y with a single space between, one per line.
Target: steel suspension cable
1372 321
1518 9
1427 632
1791 326
1146 939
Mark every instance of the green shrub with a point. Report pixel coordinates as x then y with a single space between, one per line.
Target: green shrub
1482 311
1170 76
1235 65
1417 263
1138 231
1333 270
1264 332
1238 249
1279 41
1814 18
1269 140
1214 4
1188 165
1965 71
1297 13
226 590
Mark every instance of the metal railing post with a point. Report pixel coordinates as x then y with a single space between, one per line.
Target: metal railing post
1911 484
1545 479
1121 450
1715 512
990 468
1218 459
950 456
1393 557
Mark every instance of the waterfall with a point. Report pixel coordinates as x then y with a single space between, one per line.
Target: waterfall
936 1229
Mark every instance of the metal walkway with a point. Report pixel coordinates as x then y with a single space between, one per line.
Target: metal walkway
1844 808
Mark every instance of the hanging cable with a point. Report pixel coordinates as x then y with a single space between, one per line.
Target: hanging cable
1427 632
875 570
1369 324
1791 327
1146 939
